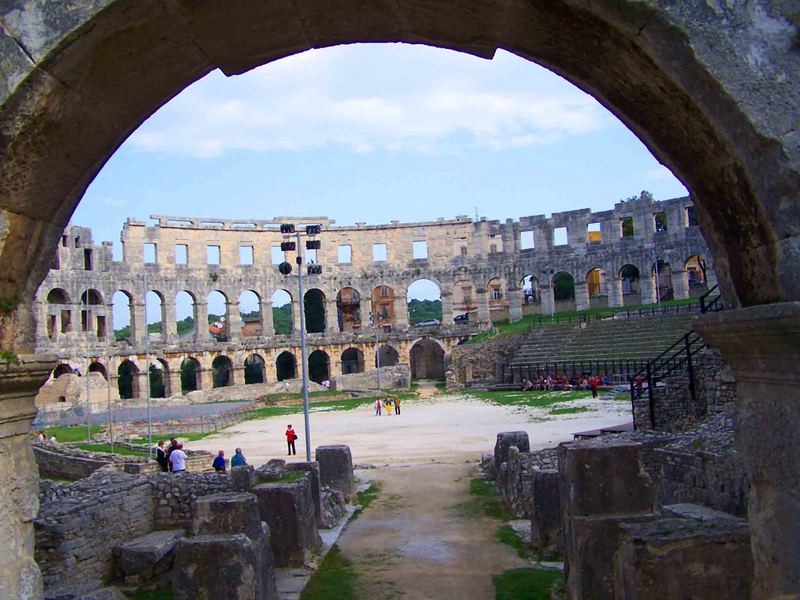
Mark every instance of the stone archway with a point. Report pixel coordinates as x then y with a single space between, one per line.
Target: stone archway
673 72
427 360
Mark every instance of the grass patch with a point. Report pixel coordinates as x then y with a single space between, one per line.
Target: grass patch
334 580
366 497
291 476
525 584
163 592
73 433
622 397
568 410
507 535
107 448
532 398
484 500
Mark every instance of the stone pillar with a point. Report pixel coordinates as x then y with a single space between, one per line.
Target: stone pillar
234 320
270 371
548 298
19 479
237 375
648 288
762 346
296 308
174 382
267 326
514 304
401 311
331 316
336 469
141 381
482 296
169 328
138 322
582 295
40 310
680 284
447 309
201 322
615 296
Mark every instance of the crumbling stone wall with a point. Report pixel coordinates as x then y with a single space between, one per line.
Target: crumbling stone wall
396 377
173 496
481 362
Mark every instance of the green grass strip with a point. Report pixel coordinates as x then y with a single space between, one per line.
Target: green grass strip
569 410
525 584
73 433
117 450
507 535
334 580
532 398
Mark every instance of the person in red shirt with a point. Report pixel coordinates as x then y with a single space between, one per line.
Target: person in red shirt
291 436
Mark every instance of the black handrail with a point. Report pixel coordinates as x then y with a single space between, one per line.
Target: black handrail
673 358
713 305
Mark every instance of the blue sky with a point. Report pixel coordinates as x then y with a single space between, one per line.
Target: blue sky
374 132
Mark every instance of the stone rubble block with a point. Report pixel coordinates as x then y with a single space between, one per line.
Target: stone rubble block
243 478
507 439
684 558
336 469
312 468
546 523
211 567
288 510
333 507
147 556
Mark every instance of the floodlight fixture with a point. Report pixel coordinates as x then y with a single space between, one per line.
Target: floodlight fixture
287 228
313 245
285 268
313 229
288 246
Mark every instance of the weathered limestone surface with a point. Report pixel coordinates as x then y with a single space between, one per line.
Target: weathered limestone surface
546 524
336 469
507 439
142 558
397 377
312 469
208 567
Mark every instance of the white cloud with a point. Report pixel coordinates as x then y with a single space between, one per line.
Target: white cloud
316 99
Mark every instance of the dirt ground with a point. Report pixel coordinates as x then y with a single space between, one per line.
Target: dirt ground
413 541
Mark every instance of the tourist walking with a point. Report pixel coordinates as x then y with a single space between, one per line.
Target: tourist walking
219 462
378 406
161 457
177 459
291 436
238 459
397 405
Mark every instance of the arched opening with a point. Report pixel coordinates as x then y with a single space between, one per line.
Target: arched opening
424 303
221 369
122 316
697 274
498 303
564 291
97 367
217 316
128 380
58 313
662 274
383 306
93 316
631 285
185 316
254 369
190 375
352 361
386 356
465 301
62 369
531 296
158 379
155 316
314 306
427 360
250 313
282 318
318 366
348 309
286 366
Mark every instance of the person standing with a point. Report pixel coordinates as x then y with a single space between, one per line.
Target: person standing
238 459
378 406
161 457
291 436
397 405
173 444
219 462
177 458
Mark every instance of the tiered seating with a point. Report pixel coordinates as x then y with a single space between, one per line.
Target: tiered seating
635 339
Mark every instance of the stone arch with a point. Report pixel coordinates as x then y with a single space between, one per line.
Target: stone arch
352 361
286 366
254 369
531 294
191 378
388 356
122 311
422 294
250 313
57 296
128 380
348 309
564 291
59 313
98 367
283 311
93 314
314 307
630 277
221 371
465 298
596 282
661 273
62 369
383 300
427 359
319 366
697 271
159 378
186 315
496 294
218 305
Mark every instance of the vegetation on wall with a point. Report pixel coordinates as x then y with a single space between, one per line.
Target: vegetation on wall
424 310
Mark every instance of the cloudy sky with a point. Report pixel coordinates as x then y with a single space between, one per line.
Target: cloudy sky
374 133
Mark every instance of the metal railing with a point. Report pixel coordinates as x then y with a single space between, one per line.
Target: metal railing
711 304
616 369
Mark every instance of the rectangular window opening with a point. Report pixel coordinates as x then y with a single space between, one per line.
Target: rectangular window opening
420 250
594 235
526 240
101 326
150 253
345 254
691 216
464 251
87 260
379 253
626 227
64 241
276 255
492 248
311 256
560 236
660 221
181 254
213 254
245 255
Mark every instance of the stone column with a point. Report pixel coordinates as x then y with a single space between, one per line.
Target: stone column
110 338
401 311
647 284
270 372
482 296
762 346
514 304
296 308
615 296
141 381
201 322
237 375
331 316
547 297
447 309
174 382
138 322
582 295
19 499
169 327
267 326
234 320
40 310
680 284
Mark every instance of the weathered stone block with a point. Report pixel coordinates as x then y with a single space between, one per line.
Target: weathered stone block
209 567
546 524
684 558
333 507
148 555
312 468
288 510
336 469
604 477
227 513
243 478
507 439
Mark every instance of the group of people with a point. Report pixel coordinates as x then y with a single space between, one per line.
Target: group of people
237 461
388 404
173 459
39 438
564 383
